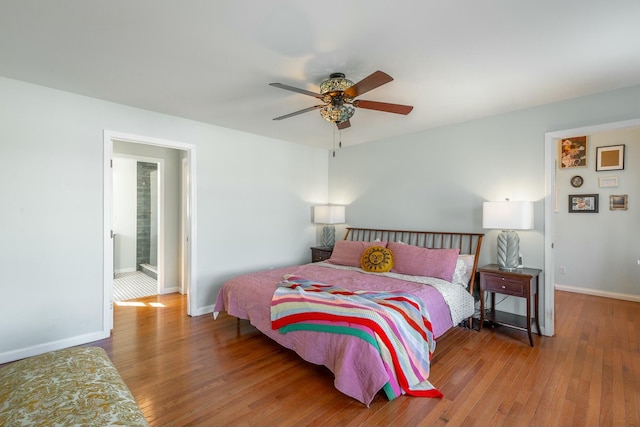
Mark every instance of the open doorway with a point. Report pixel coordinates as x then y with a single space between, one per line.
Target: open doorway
175 207
552 207
137 224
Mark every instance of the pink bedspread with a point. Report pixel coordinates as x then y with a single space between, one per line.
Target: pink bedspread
357 366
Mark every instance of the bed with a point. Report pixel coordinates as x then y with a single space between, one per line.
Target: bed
433 269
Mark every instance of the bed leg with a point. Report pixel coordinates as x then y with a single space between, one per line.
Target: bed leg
468 323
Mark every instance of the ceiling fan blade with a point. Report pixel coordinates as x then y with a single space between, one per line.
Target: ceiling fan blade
376 79
295 113
383 106
296 89
343 125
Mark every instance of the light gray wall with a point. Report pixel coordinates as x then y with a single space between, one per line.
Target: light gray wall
601 250
254 198
438 179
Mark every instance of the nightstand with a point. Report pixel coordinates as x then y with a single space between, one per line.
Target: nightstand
320 253
517 283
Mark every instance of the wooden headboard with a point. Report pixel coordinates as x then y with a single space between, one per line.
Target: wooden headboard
468 243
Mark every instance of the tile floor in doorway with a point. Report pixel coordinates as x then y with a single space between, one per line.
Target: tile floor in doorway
132 285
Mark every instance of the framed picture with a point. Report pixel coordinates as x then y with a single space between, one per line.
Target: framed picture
608 181
618 202
610 158
573 152
587 203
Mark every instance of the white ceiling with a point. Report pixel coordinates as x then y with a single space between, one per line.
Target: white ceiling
212 61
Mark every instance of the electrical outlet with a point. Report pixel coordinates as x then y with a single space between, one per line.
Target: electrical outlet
563 269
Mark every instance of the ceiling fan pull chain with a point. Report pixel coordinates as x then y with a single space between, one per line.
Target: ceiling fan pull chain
334 142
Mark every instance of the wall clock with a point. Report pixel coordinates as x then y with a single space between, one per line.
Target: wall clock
577 181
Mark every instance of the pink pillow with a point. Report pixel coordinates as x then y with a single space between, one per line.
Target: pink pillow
346 252
416 261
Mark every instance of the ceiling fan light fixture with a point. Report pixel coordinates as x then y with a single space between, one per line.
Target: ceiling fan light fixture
337 113
335 83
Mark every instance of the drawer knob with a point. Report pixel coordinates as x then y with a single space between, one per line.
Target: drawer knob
504 287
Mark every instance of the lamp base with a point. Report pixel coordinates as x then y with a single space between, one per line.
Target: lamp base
328 236
508 250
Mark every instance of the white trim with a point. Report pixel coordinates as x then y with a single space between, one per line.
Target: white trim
598 293
107 274
550 208
184 226
192 302
550 196
109 137
35 350
204 310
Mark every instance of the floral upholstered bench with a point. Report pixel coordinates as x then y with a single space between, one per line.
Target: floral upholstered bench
74 386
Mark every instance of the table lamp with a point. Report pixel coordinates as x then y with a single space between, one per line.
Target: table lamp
328 215
508 216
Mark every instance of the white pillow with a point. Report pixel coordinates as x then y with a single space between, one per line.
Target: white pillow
468 261
459 274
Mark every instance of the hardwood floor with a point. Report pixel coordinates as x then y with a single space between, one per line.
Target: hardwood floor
197 371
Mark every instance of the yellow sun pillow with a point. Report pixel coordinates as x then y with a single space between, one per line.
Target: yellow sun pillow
377 259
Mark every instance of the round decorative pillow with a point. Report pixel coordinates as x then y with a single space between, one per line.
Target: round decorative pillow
377 259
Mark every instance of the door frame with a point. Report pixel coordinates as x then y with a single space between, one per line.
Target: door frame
184 228
191 285
551 152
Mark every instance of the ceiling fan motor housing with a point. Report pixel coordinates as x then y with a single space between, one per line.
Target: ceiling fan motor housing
336 111
335 83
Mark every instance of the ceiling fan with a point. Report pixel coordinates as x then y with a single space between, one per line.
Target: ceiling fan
338 95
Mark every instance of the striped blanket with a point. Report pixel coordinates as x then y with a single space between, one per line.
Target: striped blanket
396 324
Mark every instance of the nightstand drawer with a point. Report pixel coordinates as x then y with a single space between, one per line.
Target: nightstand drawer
504 285
320 253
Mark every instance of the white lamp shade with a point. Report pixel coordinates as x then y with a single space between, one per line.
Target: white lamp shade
328 214
507 215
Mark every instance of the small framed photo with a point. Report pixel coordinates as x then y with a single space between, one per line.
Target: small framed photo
610 158
608 181
587 203
573 152
618 202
